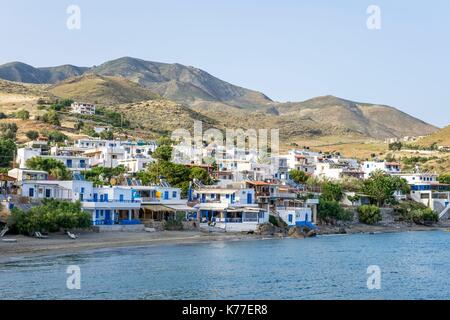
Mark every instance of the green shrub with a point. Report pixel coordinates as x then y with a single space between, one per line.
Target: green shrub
332 211
369 214
23 114
415 212
175 223
32 135
51 216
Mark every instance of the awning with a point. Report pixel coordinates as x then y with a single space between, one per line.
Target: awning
167 207
179 207
156 208
4 177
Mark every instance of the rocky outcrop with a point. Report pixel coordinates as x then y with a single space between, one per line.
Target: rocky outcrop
301 232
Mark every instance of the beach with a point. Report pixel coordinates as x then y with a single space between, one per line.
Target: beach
59 243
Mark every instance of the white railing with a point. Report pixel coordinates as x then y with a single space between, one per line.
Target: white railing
444 212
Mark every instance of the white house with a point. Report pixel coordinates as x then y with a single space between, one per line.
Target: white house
82 108
228 208
371 166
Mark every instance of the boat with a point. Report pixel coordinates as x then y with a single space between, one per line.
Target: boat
9 240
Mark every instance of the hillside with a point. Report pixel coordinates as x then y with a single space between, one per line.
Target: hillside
130 80
345 116
173 81
160 117
21 72
441 138
101 90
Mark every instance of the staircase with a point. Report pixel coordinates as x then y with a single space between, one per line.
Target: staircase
444 212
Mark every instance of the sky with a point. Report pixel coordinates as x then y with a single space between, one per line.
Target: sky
289 50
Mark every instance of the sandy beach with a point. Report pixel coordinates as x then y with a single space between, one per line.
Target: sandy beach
59 243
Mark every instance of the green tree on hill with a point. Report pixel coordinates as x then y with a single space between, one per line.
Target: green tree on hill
299 176
7 151
380 187
54 167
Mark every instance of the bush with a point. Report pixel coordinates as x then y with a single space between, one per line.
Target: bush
8 131
176 223
332 211
32 135
369 214
51 117
23 114
51 216
55 136
416 212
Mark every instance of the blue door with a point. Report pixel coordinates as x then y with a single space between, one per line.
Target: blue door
95 197
166 195
249 198
121 198
107 216
31 192
69 163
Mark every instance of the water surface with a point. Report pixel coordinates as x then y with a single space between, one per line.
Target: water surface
414 265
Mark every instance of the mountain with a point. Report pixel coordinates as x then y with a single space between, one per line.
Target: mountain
103 90
440 138
173 81
130 80
372 120
21 72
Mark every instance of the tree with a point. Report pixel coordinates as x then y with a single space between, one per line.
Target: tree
7 151
200 174
107 135
51 117
369 214
23 114
101 175
32 135
54 167
381 187
8 131
331 211
163 153
55 136
176 175
395 146
445 178
299 176
331 191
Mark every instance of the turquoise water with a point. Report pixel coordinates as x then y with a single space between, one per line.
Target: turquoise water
413 265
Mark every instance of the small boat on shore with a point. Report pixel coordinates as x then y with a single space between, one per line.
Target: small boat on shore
9 240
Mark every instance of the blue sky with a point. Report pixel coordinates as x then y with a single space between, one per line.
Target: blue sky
290 50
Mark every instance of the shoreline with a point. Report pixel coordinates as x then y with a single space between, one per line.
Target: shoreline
60 244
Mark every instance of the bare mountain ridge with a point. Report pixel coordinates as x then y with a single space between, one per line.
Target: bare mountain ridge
130 80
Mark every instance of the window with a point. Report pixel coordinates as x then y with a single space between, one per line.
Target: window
121 198
290 218
174 194
69 163
166 195
48 193
31 192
